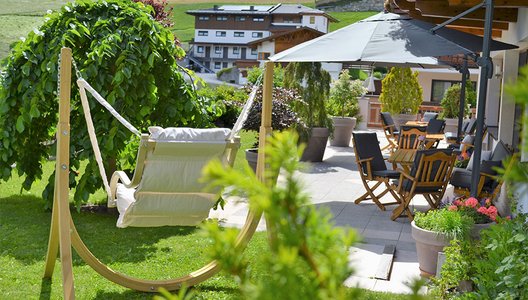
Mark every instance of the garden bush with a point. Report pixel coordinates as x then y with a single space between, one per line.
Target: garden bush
128 57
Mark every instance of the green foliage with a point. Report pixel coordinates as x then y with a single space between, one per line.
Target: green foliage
451 223
307 257
458 267
501 269
278 75
343 96
223 71
377 75
313 83
357 74
401 92
224 103
519 90
126 56
451 101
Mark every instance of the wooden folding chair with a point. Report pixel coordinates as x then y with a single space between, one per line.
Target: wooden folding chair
410 137
372 169
429 177
390 130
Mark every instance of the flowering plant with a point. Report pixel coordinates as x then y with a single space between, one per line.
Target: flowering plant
462 159
480 212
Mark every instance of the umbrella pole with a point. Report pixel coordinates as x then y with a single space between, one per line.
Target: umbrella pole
461 108
486 72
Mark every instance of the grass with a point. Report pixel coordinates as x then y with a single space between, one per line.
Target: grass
151 253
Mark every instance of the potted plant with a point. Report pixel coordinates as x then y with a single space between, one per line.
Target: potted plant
434 230
343 106
401 94
282 117
313 83
451 105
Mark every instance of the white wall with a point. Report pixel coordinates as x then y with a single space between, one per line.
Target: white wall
229 38
321 23
426 76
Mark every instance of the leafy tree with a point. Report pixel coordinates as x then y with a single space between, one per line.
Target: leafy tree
313 83
128 57
401 92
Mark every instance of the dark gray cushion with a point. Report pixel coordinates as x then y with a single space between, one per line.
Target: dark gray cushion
499 152
387 173
367 146
461 178
484 155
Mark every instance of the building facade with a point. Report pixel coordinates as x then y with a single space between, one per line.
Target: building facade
223 33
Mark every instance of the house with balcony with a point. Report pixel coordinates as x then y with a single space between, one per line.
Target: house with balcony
224 34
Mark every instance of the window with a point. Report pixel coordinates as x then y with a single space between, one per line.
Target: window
218 49
263 55
203 18
218 65
221 18
256 34
224 65
312 20
203 33
258 19
254 52
240 18
200 49
439 87
238 34
288 20
236 50
220 33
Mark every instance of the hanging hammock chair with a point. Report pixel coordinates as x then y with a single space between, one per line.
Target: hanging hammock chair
156 147
165 189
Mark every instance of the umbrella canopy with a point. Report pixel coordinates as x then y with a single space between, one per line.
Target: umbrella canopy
387 38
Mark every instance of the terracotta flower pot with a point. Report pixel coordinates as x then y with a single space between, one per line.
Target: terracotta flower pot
252 157
428 244
316 145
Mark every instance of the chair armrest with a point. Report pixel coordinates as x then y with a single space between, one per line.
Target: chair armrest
116 177
365 160
403 174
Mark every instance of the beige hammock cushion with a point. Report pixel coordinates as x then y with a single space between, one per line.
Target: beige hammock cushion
169 192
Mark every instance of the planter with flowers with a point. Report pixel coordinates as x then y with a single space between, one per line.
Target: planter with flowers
435 229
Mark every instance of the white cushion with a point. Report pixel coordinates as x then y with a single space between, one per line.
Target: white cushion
186 134
485 155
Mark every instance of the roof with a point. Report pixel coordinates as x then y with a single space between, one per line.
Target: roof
284 33
278 9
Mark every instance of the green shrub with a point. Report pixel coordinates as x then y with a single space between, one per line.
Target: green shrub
401 93
357 74
223 71
308 256
125 55
226 102
451 223
451 101
278 75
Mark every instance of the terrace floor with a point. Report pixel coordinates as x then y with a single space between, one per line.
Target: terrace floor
334 184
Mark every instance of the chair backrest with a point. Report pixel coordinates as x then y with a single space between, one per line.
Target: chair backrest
386 119
471 126
171 168
435 126
431 169
410 137
428 116
366 145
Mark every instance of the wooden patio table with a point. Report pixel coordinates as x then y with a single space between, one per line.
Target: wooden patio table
402 157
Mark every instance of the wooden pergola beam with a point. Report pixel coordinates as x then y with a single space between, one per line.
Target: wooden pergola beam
496 3
461 22
496 33
441 8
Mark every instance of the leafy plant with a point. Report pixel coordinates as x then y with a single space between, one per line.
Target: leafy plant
160 12
451 223
401 92
224 103
343 96
128 57
313 83
501 271
308 257
479 213
451 101
278 75
357 74
223 71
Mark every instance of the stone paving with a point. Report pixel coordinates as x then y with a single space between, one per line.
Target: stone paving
334 184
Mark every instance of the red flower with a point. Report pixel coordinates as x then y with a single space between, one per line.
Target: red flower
452 207
471 202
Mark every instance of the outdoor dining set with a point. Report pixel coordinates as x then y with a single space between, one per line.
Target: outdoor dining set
420 166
